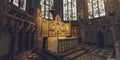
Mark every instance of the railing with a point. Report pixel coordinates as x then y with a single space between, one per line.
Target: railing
67 44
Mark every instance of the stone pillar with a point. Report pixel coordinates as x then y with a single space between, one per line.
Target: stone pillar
113 27
11 30
25 39
32 37
18 26
117 49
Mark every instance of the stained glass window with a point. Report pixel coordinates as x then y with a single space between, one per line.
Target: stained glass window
96 8
69 10
46 5
22 4
15 2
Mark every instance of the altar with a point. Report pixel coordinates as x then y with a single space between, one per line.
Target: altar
60 44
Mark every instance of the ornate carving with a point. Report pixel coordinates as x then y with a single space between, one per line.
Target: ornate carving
57 18
16 12
32 29
12 23
100 21
27 26
58 28
9 26
18 26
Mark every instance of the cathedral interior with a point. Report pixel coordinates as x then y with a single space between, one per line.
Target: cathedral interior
59 29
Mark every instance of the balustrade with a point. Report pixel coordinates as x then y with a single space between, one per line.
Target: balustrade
67 44
61 44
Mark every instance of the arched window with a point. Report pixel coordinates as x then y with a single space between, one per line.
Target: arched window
19 3
69 10
96 8
46 5
22 4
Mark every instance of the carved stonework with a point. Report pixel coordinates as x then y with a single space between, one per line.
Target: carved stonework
39 23
45 27
18 14
109 6
100 21
26 27
32 29
18 26
58 28
9 26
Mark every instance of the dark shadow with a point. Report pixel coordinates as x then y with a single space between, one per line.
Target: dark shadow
100 38
12 43
32 40
27 41
44 42
109 39
19 40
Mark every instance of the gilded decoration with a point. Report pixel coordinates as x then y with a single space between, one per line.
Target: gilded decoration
58 28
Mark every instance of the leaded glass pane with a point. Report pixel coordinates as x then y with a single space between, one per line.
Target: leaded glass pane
74 12
43 10
46 5
69 10
96 8
101 8
90 14
89 2
65 9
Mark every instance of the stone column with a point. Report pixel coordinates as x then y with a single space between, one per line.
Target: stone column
18 27
25 31
113 15
117 49
11 30
113 27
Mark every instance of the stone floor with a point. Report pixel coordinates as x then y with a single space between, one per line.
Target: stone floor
83 55
89 57
104 52
75 54
27 56
111 59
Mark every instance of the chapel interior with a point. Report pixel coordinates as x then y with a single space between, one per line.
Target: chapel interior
59 29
